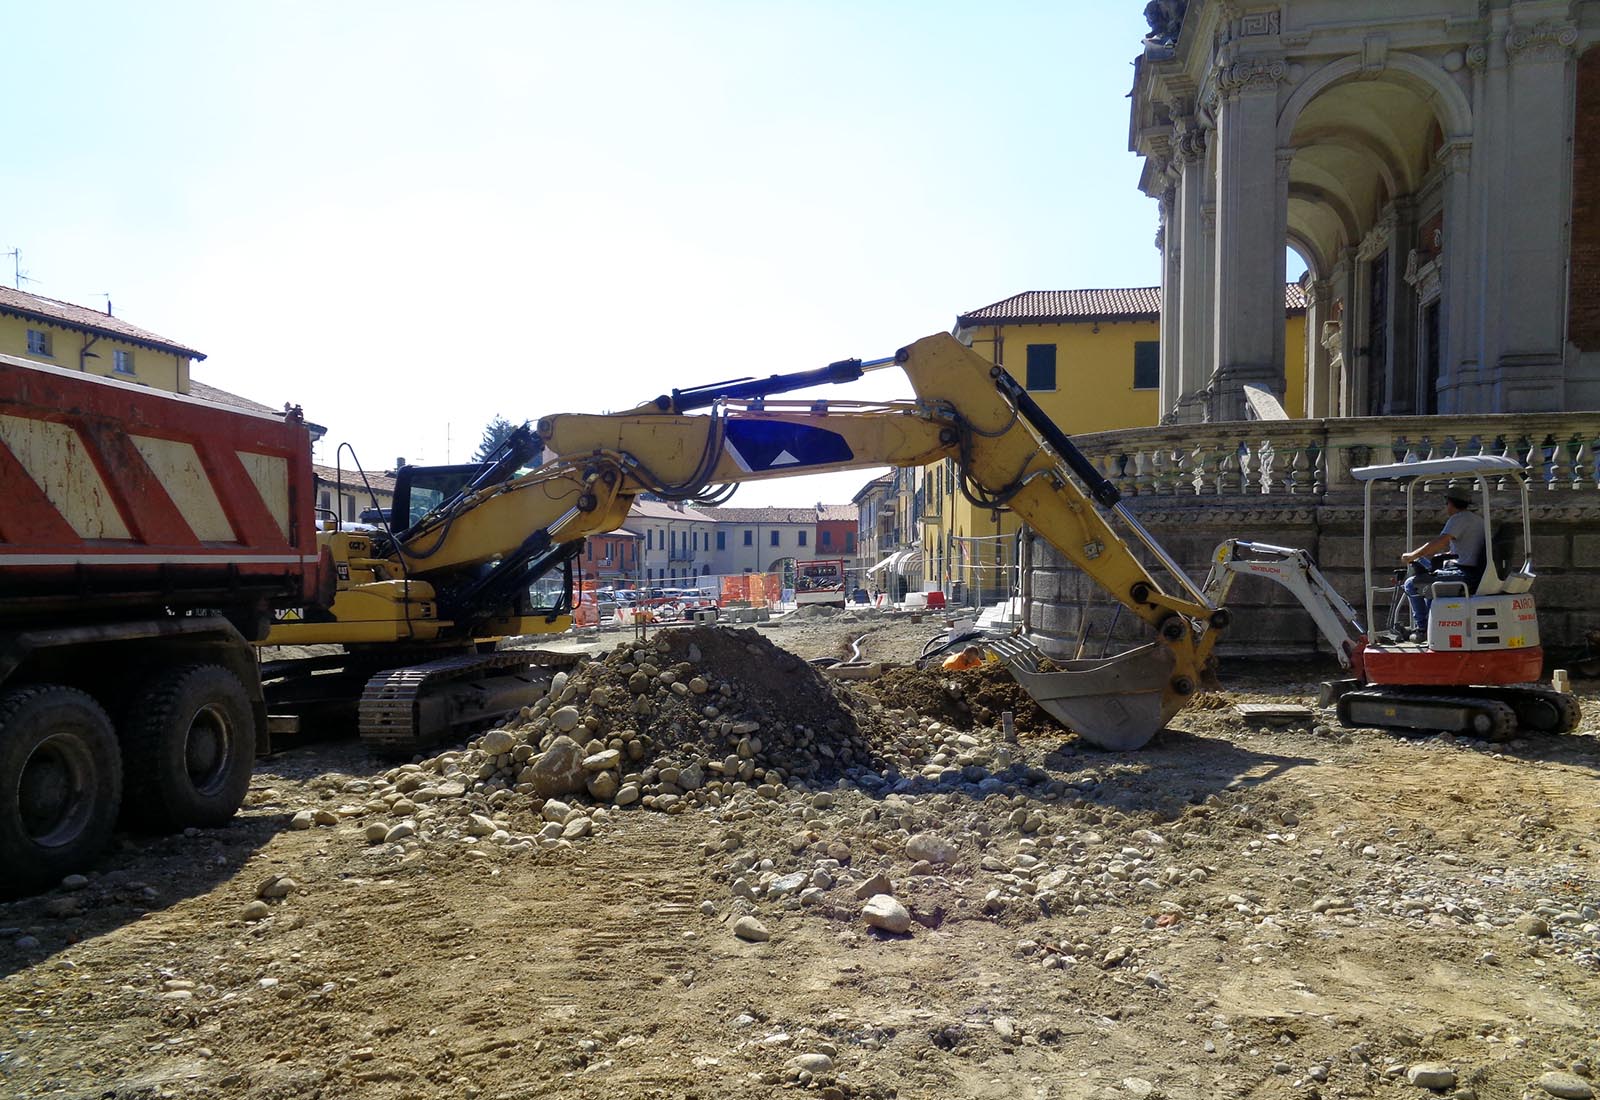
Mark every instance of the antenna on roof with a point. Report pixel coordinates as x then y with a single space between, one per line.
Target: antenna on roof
106 294
18 275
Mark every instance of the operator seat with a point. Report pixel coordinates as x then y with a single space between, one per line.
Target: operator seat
1497 576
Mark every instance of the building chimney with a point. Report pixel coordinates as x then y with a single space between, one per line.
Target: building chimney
400 463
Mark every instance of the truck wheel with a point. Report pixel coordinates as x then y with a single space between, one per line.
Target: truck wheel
60 785
188 748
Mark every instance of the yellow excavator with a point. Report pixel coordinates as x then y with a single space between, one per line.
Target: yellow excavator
476 553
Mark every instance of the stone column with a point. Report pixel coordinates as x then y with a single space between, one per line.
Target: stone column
1252 229
1194 330
1458 324
1400 398
1528 76
1320 397
1169 239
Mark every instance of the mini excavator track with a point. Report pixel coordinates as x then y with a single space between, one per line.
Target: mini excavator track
1493 714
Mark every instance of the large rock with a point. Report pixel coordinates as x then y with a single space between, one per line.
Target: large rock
1431 1075
1567 1086
496 742
557 771
883 911
931 847
751 930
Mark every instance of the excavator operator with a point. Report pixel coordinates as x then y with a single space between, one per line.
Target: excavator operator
1462 535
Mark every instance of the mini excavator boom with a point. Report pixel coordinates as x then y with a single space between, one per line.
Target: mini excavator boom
461 571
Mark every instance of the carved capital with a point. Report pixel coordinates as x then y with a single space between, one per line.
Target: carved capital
1251 74
1188 142
1477 57
1542 42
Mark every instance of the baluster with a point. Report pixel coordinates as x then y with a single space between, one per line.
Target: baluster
1266 463
1553 477
1146 473
1125 474
1524 451
1582 464
1319 470
1107 464
1503 449
1227 463
1403 451
1246 467
1299 474
1198 471
1177 462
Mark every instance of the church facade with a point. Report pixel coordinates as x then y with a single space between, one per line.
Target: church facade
1434 163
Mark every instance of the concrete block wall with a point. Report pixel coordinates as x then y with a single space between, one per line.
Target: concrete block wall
1268 620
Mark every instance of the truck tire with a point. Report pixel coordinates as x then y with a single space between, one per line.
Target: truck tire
60 785
188 748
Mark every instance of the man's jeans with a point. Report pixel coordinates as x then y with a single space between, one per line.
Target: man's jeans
1422 578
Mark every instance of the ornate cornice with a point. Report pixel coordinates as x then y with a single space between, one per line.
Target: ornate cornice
1542 42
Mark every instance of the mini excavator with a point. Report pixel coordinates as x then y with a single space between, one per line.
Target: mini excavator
476 553
1471 666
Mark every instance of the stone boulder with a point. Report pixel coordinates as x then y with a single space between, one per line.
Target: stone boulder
558 770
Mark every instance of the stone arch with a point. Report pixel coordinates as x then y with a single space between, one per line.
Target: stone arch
1310 254
1430 81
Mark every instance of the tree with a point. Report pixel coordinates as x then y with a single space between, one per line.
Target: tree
495 434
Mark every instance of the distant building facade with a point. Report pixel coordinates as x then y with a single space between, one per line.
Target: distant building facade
62 334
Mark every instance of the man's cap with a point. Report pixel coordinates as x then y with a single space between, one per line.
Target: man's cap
1460 500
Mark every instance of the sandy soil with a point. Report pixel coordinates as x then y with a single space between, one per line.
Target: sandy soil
1295 912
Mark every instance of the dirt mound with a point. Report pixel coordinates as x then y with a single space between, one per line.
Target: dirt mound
972 697
817 611
689 718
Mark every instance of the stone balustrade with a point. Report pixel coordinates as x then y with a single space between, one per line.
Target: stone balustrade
1561 452
1288 483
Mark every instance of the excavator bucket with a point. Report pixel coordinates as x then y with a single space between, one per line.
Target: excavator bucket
1115 703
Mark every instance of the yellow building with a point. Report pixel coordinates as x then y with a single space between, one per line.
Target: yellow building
1092 360
66 335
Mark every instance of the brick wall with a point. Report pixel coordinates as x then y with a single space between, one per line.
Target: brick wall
1584 306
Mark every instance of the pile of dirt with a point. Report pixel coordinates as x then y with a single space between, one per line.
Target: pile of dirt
966 699
689 718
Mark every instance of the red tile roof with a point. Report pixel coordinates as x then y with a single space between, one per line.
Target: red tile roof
37 308
659 509
1138 303
351 479
838 513
807 516
233 400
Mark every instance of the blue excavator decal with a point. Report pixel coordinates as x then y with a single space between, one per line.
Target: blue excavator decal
758 445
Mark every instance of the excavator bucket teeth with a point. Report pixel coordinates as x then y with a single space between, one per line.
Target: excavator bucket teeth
1116 703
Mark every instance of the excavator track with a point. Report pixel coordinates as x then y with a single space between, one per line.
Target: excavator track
1477 716
1539 709
467 692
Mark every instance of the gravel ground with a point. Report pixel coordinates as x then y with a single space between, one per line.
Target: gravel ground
1294 911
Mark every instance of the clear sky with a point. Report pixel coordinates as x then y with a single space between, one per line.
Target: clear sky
411 217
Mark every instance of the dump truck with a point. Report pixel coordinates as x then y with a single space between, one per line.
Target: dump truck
146 540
